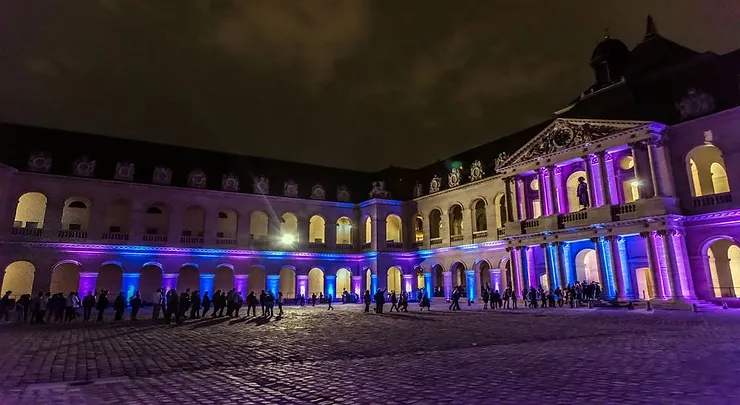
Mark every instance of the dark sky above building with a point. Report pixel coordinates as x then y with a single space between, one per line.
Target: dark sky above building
346 83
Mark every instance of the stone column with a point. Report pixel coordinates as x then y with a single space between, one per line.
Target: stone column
516 276
509 200
448 284
357 285
554 180
520 200
96 225
613 186
169 281
379 236
558 270
87 283
136 225
373 284
655 273
666 172
428 284
206 283
666 257
606 181
53 218
549 270
272 282
607 265
470 284
330 235
529 266
643 171
542 191
210 237
621 269
654 166
681 257
240 284
590 179
301 284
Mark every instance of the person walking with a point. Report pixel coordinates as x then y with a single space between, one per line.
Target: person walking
329 299
157 301
367 299
280 301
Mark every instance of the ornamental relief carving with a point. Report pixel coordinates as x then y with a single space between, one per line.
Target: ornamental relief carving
124 171
318 192
230 182
39 162
261 185
84 167
162 176
343 194
435 184
197 179
418 190
290 189
476 171
695 103
453 179
379 191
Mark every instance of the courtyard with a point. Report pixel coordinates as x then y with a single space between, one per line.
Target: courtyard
315 356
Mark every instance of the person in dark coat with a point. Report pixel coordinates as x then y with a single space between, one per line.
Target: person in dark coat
102 304
582 193
173 307
367 299
206 301
88 303
120 306
136 302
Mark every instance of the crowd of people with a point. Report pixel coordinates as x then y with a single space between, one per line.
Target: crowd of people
177 307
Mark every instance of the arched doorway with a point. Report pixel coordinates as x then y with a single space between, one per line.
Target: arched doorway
150 280
110 278
439 280
30 211
645 285
223 279
458 274
587 268
315 282
480 222
65 277
287 282
317 230
18 278
572 187
394 276
724 265
256 279
369 280
484 276
344 282
188 278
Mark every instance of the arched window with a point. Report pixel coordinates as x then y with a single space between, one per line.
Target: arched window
368 230
479 216
228 224
707 171
194 221
435 223
289 228
317 229
30 211
572 186
394 280
344 231
456 218
418 228
258 226
76 214
500 203
393 228
724 266
117 217
157 220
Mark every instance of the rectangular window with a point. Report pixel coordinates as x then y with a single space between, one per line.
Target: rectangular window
114 229
151 231
32 225
75 227
536 209
187 233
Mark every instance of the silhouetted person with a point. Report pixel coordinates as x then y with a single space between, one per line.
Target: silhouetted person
367 299
252 303
328 299
136 302
120 306
102 304
582 193
206 304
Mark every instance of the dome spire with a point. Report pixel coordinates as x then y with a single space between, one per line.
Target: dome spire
650 30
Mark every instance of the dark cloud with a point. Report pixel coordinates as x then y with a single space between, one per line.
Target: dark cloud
360 84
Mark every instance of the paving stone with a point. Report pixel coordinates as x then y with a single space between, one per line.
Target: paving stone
310 356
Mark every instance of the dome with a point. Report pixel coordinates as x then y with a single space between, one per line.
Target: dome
610 50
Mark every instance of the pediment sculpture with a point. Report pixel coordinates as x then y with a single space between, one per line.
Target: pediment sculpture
261 185
230 182
476 171
435 184
695 103
379 191
124 171
343 194
39 162
500 160
453 179
318 192
418 190
197 179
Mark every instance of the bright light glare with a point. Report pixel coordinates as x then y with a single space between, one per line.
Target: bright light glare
287 239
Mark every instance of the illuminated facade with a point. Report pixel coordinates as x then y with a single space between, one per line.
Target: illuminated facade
653 139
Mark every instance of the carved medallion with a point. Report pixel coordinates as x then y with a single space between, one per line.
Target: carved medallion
453 179
476 171
197 179
39 162
418 190
318 192
695 103
261 185
435 184
343 194
230 182
124 171
162 176
379 191
84 167
290 189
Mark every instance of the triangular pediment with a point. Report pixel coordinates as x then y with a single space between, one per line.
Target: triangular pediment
565 134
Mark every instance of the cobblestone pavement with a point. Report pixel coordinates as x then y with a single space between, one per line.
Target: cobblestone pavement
312 356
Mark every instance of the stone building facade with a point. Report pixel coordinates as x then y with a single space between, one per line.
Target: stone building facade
653 142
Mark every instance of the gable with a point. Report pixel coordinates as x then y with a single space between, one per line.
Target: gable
565 134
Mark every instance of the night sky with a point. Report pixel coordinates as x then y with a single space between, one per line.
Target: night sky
353 84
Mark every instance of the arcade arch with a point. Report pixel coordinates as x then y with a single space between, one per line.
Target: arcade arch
188 278
287 283
707 171
315 282
30 211
223 279
394 279
65 277
18 278
587 268
344 282
150 280
723 257
76 214
110 278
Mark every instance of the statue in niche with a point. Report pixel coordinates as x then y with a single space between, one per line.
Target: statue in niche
582 193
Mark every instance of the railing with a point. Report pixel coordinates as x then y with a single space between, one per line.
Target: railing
393 244
531 223
500 233
366 245
344 246
317 245
68 234
34 232
574 216
191 240
435 241
259 242
624 209
154 238
456 238
226 241
115 236
712 199
418 243
480 234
